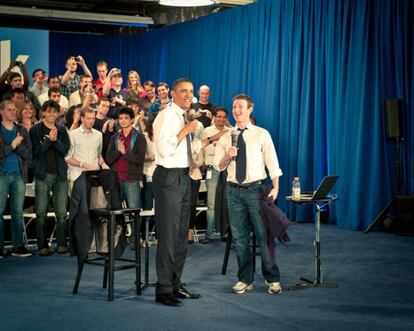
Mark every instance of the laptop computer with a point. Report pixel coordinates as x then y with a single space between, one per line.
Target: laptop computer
323 189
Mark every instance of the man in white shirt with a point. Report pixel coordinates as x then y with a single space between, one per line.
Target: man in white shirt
212 175
172 192
85 151
245 178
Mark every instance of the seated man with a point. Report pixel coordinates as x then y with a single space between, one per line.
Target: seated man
50 145
15 150
150 97
164 99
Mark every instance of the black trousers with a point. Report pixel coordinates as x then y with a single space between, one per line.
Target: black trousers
172 194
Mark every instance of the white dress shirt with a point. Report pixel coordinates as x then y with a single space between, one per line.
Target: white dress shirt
260 153
84 147
168 152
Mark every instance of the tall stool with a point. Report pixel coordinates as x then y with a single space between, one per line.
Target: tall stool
108 262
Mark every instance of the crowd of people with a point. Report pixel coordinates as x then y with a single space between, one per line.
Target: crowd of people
161 144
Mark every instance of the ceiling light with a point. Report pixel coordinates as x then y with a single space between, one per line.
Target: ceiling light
187 3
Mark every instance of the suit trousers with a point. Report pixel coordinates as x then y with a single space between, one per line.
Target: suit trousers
172 194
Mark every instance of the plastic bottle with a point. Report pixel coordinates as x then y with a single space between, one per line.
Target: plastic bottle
296 188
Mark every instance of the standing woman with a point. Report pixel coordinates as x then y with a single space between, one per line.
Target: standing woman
26 115
135 88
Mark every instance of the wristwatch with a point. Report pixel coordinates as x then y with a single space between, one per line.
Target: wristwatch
210 140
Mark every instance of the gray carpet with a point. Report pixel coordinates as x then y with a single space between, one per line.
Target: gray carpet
374 274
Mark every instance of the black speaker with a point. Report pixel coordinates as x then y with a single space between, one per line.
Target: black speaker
404 209
393 114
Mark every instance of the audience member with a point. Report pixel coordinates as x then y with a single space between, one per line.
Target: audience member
70 81
135 88
205 110
163 101
54 95
254 152
18 97
103 123
102 71
150 97
212 175
15 151
16 82
72 118
85 151
139 119
149 167
50 143
126 155
25 115
53 83
5 77
39 86
85 95
112 90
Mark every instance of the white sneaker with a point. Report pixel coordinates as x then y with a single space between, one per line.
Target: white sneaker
241 287
274 288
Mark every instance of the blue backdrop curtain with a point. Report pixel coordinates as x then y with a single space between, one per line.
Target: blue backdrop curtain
318 71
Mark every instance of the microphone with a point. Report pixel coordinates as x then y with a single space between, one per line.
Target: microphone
190 118
234 137
191 115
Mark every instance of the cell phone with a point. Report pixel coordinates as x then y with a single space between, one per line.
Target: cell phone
22 58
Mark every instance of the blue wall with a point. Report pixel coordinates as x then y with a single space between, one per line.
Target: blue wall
34 43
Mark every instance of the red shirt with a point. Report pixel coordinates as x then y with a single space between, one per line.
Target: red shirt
99 85
121 165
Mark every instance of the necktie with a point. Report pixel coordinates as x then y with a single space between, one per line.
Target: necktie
189 154
241 158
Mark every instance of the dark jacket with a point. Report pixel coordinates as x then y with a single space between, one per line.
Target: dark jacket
135 157
24 151
42 144
275 223
80 227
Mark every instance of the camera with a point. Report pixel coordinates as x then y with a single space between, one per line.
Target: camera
77 58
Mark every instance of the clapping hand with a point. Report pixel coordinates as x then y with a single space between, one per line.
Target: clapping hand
17 141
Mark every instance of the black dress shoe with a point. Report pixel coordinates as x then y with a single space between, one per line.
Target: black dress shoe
168 299
182 293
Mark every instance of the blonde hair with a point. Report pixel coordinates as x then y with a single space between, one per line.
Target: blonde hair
19 112
138 89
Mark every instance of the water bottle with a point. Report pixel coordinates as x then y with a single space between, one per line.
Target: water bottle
296 188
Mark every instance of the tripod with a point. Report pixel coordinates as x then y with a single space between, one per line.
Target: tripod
397 187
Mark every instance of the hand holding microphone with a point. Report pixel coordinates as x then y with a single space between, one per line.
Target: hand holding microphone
232 152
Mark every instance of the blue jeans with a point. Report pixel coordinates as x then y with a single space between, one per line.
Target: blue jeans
131 193
211 184
243 215
59 191
12 185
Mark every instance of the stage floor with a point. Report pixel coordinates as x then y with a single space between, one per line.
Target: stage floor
374 274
